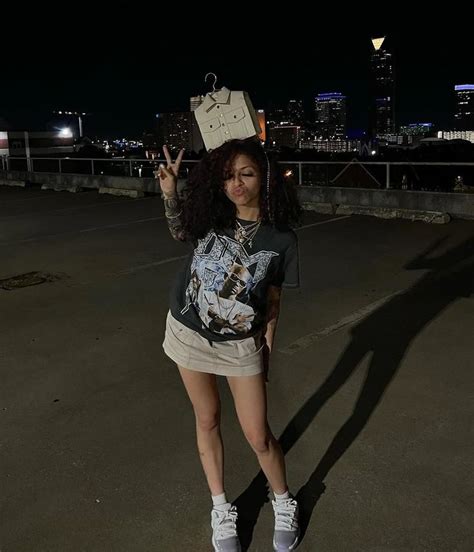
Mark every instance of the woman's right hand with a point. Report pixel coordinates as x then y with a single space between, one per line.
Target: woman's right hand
168 176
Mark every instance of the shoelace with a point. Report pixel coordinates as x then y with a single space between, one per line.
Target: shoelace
285 519
226 523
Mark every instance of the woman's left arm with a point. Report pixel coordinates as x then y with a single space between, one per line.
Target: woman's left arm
273 312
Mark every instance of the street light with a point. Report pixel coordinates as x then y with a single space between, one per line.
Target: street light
65 133
77 114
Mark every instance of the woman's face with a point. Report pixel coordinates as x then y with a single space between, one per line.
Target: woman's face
242 181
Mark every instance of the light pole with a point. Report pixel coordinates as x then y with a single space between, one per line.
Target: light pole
77 114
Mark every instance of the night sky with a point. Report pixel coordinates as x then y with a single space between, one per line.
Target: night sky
130 60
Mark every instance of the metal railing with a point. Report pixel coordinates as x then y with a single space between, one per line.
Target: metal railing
404 175
115 166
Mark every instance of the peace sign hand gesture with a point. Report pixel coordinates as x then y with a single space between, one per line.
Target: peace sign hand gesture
168 176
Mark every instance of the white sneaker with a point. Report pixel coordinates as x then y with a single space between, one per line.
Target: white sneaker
224 530
287 530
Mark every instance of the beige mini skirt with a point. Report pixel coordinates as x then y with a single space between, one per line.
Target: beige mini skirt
189 349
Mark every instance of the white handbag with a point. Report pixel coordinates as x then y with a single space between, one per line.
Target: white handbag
224 115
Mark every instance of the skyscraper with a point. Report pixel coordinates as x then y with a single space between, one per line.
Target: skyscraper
277 116
330 116
464 116
175 129
382 91
263 124
195 102
296 112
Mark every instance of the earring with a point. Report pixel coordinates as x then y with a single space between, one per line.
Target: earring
270 214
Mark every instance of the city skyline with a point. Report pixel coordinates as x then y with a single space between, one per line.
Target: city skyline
124 88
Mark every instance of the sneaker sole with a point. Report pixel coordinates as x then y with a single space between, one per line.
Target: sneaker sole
214 545
276 549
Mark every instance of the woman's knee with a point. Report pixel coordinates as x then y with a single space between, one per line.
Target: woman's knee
259 440
208 420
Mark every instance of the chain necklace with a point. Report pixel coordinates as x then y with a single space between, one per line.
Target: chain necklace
244 234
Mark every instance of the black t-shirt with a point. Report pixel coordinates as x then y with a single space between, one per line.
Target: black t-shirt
221 290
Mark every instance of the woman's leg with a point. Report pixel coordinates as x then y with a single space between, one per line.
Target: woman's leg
250 399
204 396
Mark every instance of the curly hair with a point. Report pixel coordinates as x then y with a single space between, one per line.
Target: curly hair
206 205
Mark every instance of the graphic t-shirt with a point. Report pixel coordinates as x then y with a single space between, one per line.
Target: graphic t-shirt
221 289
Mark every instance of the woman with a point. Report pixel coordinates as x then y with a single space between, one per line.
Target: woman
236 212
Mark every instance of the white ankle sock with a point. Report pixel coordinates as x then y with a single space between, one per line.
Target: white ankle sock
220 502
282 496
